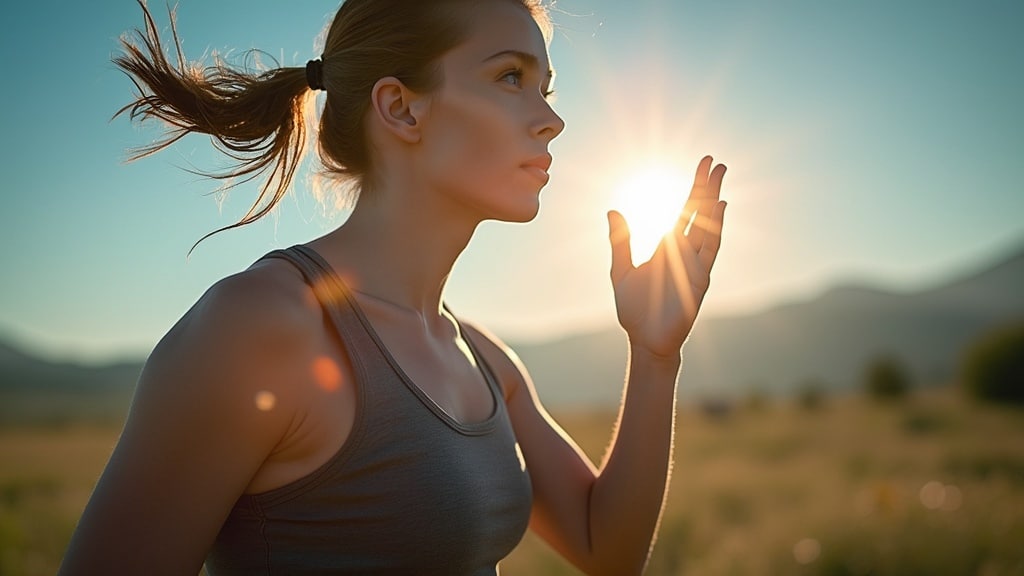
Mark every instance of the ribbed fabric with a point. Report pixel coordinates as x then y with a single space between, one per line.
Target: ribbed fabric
412 491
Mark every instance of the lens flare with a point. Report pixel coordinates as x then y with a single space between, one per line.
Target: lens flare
954 498
326 373
932 495
938 496
806 551
265 401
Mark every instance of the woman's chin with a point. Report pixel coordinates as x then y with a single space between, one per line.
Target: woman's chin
521 214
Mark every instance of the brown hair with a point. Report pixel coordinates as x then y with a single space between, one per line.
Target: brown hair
258 118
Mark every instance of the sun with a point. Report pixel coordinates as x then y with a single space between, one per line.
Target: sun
651 199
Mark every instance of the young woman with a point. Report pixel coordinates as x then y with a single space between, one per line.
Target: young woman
324 412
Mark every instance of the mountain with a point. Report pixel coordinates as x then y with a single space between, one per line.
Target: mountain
20 371
34 391
829 339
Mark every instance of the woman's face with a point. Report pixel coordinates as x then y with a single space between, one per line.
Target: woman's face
485 139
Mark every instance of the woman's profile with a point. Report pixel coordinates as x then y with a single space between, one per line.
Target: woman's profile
324 411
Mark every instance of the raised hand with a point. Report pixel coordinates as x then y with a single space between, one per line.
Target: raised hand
657 302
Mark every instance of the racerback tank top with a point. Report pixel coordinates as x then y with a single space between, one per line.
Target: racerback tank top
412 490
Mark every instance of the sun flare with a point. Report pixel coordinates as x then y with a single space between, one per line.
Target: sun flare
651 199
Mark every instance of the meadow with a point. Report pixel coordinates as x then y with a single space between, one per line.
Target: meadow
933 484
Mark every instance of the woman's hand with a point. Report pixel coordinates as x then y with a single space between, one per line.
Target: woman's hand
657 302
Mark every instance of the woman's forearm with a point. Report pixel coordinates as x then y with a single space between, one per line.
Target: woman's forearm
628 495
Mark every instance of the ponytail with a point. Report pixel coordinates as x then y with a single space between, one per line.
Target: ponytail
257 119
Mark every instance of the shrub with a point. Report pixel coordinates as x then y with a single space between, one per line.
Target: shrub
993 366
810 395
716 408
886 379
923 422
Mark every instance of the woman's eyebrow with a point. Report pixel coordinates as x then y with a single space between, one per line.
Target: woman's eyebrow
530 60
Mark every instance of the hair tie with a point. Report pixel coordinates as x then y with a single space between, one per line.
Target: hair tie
315 74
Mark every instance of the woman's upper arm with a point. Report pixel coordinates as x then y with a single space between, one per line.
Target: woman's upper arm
561 474
210 406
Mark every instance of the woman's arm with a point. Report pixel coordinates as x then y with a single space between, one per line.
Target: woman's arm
197 432
604 521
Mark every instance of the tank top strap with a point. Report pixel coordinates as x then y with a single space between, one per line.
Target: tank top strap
332 294
337 294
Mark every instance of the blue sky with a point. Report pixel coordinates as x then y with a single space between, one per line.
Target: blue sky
866 141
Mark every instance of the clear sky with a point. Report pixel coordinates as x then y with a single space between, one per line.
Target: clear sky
868 140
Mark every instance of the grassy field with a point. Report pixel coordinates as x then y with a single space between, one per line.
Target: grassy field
931 486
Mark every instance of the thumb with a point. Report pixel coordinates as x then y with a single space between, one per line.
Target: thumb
618 235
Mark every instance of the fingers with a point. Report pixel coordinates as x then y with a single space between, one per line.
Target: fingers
696 192
703 169
713 241
622 254
707 188
714 186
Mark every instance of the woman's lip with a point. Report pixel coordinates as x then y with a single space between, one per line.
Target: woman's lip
537 172
542 162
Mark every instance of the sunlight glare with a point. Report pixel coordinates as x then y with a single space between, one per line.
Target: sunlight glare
651 198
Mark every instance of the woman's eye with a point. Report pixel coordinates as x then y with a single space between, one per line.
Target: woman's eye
513 77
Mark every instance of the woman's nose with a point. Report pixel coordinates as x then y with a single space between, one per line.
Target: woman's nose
551 124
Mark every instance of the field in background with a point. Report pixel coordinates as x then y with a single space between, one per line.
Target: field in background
933 485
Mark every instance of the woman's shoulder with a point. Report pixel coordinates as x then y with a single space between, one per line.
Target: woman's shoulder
216 402
246 334
269 303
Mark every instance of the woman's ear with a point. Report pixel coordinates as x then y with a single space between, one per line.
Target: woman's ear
399 110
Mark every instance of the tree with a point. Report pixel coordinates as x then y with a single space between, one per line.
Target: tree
886 378
993 366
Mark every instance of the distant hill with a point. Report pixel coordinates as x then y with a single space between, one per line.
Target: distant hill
829 338
22 371
34 391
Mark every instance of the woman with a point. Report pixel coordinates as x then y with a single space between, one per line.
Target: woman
323 411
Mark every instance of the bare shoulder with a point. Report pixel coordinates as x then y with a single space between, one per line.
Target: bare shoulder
269 303
236 349
245 331
215 399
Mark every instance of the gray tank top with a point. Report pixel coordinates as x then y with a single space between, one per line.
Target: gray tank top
412 490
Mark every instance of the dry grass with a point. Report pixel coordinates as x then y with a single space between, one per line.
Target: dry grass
46 476
841 488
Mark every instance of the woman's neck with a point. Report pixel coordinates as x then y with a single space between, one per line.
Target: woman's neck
399 249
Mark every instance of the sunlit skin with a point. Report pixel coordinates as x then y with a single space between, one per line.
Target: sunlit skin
657 301
251 390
